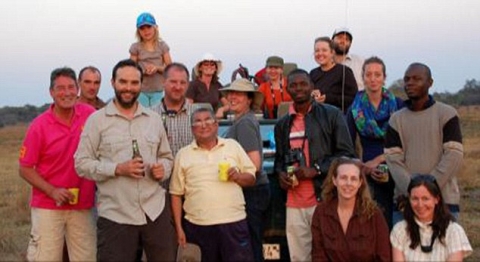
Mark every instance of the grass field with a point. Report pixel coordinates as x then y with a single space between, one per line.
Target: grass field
14 192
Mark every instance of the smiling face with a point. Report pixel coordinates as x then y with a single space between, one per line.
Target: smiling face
347 181
342 43
373 77
208 68
323 53
204 127
239 101
64 92
423 203
176 84
274 72
126 84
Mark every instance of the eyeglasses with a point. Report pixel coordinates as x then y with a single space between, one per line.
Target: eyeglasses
207 122
209 63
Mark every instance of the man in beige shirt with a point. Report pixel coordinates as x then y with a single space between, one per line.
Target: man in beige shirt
130 198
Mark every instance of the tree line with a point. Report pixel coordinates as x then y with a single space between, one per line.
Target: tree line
468 95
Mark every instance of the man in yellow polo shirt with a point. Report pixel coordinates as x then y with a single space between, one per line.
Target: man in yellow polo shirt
214 207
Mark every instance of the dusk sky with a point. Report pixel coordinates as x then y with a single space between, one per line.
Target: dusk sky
38 36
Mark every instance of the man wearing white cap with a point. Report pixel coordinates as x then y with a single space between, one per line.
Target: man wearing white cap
342 41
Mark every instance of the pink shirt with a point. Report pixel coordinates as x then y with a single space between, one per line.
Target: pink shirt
303 195
49 147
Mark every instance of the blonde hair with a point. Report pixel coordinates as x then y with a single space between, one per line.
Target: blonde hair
157 34
364 200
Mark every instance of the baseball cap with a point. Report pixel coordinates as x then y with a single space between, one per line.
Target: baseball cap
145 19
274 61
342 30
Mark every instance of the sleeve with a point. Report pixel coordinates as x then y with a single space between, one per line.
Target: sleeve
247 136
383 248
452 157
133 49
164 154
351 87
279 164
31 146
352 129
342 143
319 253
164 48
191 91
395 156
398 236
87 162
177 181
457 240
243 161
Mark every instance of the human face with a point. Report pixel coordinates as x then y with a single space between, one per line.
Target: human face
239 102
373 77
347 181
207 128
274 72
299 88
423 203
127 86
323 53
89 84
208 67
64 92
147 32
176 85
342 43
417 82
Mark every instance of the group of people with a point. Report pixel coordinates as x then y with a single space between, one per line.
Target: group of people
163 177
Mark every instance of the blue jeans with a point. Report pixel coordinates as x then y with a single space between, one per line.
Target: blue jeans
150 99
257 199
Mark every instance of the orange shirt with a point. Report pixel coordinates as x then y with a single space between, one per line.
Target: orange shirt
271 100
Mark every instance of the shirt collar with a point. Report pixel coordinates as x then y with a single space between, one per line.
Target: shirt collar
111 109
430 102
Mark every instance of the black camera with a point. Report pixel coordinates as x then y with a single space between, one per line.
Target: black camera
295 156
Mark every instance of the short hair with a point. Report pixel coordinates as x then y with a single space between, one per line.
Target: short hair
199 110
89 68
125 63
299 71
62 71
177 66
325 39
374 60
427 69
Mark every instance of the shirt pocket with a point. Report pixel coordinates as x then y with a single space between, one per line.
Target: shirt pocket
151 146
116 148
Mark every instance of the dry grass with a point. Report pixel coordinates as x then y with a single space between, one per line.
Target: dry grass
14 192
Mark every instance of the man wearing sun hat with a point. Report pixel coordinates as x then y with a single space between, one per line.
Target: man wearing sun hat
205 87
342 41
243 100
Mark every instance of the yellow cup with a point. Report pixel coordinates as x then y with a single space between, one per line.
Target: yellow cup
223 167
74 191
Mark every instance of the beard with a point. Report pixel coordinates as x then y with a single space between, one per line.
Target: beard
123 103
341 51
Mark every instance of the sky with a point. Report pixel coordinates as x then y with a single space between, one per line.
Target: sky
38 36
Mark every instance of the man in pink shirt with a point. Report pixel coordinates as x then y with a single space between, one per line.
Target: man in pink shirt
61 201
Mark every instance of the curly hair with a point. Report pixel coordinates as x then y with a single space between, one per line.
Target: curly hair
364 201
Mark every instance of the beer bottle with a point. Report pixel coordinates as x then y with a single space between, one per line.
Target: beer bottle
136 152
291 174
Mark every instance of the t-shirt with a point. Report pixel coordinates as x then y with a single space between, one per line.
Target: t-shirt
49 147
151 83
198 92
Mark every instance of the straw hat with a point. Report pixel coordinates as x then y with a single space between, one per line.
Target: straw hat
243 85
189 253
208 57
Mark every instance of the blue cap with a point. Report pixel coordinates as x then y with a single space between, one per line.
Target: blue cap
145 19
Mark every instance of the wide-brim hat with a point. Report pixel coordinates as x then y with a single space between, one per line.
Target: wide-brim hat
189 253
208 57
243 85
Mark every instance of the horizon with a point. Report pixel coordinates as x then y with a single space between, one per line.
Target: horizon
39 36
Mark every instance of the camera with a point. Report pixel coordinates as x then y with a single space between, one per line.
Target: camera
295 156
